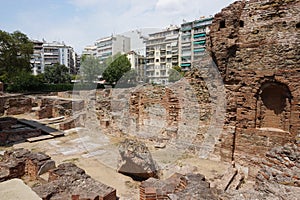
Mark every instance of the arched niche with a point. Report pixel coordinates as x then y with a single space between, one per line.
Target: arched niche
274 106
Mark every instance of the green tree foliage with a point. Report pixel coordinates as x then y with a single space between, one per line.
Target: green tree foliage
116 69
129 79
15 52
25 81
57 74
175 74
90 68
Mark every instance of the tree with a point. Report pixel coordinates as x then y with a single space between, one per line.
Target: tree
91 68
57 74
15 52
116 69
129 79
25 81
175 74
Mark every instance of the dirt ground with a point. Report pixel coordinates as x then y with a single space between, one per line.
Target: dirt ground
99 160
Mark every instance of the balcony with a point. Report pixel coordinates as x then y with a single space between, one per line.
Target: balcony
200 35
201 42
162 67
149 56
185 64
186 28
186 45
150 50
150 68
200 50
201 30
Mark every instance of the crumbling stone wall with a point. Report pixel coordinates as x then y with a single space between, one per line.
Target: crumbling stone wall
15 104
68 181
255 45
56 107
20 162
162 100
11 131
178 186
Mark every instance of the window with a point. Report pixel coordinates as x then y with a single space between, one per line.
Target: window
241 23
222 24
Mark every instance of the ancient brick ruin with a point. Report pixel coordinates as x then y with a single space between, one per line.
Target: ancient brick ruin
38 107
136 160
178 186
255 45
20 162
11 131
67 181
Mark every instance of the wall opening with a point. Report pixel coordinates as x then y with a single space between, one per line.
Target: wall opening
274 106
241 23
298 25
222 24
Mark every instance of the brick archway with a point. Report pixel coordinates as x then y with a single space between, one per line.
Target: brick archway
274 106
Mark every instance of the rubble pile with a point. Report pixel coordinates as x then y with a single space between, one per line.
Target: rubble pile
68 181
178 186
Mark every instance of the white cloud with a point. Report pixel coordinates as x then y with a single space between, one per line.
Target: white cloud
173 6
85 3
84 21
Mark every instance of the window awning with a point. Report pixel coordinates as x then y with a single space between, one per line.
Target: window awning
199 35
200 42
199 50
185 64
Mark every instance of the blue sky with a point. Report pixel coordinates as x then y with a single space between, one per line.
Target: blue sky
80 22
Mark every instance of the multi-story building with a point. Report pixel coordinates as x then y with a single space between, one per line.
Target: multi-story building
162 54
90 50
37 58
138 63
110 46
47 54
192 41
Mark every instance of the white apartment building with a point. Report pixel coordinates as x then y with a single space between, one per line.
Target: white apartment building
37 58
192 41
162 54
110 46
138 63
47 54
90 50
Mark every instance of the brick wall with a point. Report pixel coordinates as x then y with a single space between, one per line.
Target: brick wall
256 48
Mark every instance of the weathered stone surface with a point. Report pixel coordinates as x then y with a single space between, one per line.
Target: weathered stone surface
21 161
7 122
68 181
72 122
11 131
178 186
255 45
136 160
16 106
56 107
44 112
49 164
281 167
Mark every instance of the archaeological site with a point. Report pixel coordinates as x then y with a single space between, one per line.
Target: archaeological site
229 129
